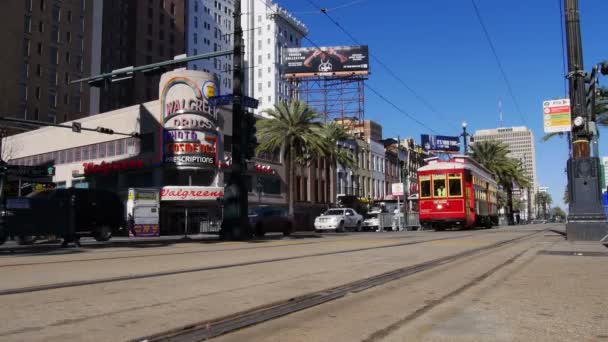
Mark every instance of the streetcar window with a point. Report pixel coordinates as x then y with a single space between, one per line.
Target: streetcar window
425 186
455 185
439 186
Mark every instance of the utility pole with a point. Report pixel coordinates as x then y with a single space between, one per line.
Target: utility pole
235 225
586 217
400 182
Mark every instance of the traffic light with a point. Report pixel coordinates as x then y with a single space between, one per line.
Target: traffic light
104 130
50 171
76 127
249 136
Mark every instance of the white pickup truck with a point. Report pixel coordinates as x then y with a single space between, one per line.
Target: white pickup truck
339 220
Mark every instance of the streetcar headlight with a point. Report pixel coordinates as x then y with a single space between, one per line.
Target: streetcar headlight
439 206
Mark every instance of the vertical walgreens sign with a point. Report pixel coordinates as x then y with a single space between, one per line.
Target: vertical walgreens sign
191 133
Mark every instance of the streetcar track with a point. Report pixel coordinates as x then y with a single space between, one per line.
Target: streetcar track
79 283
219 326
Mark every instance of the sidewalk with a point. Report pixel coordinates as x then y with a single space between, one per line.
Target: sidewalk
557 294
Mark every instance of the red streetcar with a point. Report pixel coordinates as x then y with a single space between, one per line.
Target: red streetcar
458 192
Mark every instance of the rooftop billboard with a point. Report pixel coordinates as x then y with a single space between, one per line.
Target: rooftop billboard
325 61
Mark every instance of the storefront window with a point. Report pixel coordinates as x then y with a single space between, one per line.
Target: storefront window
102 150
93 151
120 147
271 185
111 149
85 153
439 186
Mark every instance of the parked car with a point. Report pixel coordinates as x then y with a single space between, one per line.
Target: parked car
94 212
270 220
339 219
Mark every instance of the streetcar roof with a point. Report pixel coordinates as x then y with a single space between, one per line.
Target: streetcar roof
457 162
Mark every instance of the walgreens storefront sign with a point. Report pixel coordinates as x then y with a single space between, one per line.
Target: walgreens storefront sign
191 193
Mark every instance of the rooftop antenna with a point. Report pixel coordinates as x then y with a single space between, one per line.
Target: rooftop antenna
500 122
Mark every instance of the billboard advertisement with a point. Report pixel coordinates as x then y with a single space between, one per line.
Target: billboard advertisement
325 61
440 143
556 116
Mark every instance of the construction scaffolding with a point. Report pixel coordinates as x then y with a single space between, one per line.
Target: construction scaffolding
334 97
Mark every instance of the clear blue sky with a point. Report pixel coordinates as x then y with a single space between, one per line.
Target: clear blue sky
438 48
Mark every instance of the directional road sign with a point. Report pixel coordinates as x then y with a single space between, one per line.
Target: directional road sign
229 98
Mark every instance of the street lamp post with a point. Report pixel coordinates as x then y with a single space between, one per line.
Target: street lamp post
464 136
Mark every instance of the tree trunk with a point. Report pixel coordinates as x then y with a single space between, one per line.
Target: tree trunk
290 183
327 189
510 217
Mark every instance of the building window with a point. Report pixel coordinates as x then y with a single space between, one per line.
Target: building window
52 100
161 35
42 5
195 38
102 150
41 27
111 149
94 149
195 20
28 24
38 93
53 55
196 6
259 86
56 14
67 57
39 49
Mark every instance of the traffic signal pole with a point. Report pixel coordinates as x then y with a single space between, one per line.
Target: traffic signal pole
235 225
586 217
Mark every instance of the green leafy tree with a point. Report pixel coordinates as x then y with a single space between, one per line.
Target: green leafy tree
559 212
295 130
509 172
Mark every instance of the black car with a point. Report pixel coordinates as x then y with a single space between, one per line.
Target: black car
270 219
93 212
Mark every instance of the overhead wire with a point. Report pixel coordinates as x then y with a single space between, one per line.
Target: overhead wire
502 70
391 72
371 88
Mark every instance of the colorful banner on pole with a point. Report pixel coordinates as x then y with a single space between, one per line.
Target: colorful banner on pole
557 116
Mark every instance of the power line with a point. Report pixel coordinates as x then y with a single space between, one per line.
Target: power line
502 70
371 88
349 4
426 103
399 109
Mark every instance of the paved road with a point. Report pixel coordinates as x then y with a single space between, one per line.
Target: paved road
129 291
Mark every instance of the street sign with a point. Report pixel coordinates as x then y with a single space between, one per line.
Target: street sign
223 100
397 189
30 171
557 116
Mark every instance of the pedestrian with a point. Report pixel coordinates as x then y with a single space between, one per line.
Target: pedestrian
131 225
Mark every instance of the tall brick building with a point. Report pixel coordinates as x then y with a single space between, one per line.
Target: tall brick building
47 45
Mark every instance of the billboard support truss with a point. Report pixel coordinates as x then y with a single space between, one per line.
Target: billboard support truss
335 97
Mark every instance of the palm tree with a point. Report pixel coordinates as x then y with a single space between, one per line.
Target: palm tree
295 130
544 200
508 172
333 133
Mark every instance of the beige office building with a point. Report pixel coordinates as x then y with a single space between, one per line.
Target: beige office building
521 143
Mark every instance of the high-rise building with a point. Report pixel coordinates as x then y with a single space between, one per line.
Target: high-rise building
210 28
267 30
136 33
520 141
48 44
604 169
